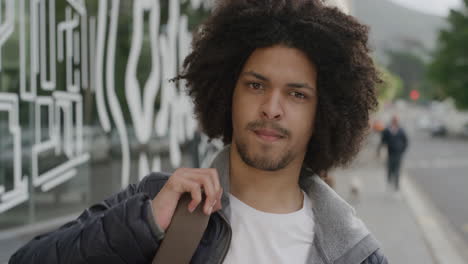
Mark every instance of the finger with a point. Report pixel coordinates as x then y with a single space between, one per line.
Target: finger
218 205
211 195
209 180
215 178
218 189
195 191
213 174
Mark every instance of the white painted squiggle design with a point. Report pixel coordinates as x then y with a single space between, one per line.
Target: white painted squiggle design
208 150
144 166
142 112
61 105
9 103
6 28
81 43
99 62
80 7
47 84
116 111
92 53
71 143
66 28
175 118
34 45
24 94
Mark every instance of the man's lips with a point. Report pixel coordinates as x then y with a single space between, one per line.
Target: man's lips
268 135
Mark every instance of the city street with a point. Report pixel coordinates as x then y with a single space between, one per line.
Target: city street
439 167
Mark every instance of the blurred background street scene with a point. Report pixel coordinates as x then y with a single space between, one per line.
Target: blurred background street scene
86 108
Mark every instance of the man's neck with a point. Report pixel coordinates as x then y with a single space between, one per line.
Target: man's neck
268 191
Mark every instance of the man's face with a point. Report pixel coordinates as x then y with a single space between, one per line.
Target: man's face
395 121
273 107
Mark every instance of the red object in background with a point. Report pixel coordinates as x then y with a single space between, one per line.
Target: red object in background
414 95
378 126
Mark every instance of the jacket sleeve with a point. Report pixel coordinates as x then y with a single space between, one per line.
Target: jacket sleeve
383 137
376 258
405 141
121 229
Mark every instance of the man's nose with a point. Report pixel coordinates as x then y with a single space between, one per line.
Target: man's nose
272 106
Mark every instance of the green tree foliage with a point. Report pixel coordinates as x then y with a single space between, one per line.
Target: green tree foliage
449 69
410 68
390 88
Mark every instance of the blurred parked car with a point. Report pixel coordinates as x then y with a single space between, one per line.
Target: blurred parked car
438 129
465 130
452 121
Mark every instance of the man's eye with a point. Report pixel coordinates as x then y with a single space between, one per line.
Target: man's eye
298 95
255 86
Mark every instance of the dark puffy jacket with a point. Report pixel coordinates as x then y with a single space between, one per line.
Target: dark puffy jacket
396 143
121 230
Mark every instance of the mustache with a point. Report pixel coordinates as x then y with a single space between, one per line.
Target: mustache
256 125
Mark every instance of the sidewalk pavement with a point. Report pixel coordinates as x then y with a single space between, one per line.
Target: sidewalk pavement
397 219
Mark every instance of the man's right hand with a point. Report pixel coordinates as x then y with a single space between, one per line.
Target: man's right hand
193 181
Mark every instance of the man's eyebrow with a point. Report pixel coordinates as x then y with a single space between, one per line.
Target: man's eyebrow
265 79
300 85
257 75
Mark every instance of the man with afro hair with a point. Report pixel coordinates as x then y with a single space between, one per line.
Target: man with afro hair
288 85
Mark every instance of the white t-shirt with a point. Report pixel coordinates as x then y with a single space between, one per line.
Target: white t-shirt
259 237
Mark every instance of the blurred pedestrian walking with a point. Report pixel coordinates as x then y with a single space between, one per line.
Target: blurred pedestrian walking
395 139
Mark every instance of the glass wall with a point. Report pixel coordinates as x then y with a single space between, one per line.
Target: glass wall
86 102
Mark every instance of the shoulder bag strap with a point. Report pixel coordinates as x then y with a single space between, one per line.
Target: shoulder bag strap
183 234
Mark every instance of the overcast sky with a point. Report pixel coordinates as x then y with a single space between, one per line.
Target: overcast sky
438 7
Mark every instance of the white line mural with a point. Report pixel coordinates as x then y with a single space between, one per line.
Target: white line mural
68 106
116 111
175 116
9 103
142 111
61 105
19 193
25 95
86 46
7 24
99 68
46 84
